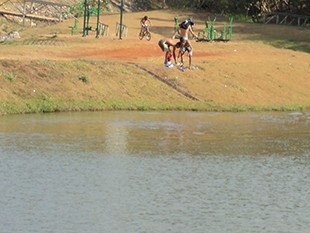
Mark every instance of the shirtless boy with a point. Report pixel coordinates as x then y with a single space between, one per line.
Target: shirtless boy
145 23
186 27
169 46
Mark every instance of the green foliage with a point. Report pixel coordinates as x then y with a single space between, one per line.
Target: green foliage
147 4
179 4
9 76
242 6
84 79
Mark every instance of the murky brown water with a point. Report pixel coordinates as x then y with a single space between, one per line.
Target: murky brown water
155 172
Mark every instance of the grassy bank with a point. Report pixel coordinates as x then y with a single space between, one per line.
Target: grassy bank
56 86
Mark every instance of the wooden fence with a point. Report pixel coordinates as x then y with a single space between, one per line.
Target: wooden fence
286 19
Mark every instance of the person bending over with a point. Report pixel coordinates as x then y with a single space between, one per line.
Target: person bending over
169 47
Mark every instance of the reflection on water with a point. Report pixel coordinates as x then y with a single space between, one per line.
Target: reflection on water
155 172
159 133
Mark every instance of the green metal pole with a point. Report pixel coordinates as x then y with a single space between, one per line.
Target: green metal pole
176 20
84 22
121 20
211 32
224 32
98 14
88 16
230 27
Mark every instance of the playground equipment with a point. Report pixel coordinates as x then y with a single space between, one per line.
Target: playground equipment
104 29
176 28
101 28
74 26
87 12
121 30
76 11
176 21
210 34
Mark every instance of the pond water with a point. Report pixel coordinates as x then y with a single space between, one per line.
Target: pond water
135 172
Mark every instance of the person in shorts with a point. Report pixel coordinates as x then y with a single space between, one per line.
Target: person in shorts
145 24
185 46
169 47
186 28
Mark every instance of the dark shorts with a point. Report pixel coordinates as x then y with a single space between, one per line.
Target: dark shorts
187 49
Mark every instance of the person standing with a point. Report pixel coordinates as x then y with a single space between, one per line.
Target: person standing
185 46
185 28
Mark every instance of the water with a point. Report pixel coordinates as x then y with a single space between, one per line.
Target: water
151 172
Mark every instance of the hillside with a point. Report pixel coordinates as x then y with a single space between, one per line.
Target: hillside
264 67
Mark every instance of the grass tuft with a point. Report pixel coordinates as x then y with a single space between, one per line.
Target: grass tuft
84 79
9 76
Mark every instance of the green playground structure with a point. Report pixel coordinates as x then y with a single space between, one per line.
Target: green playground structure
176 20
211 34
177 27
75 11
88 10
84 8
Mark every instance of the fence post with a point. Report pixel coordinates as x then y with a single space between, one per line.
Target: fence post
121 20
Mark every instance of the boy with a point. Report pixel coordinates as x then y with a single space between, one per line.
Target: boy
185 46
169 47
186 27
144 23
